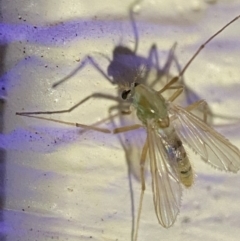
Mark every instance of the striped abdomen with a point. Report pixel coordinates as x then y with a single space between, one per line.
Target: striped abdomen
183 163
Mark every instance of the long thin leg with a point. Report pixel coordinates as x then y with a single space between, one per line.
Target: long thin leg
126 128
82 65
162 71
152 61
179 77
179 90
203 46
87 59
122 109
143 157
193 105
99 95
142 167
87 127
149 64
176 93
168 85
102 121
133 22
196 105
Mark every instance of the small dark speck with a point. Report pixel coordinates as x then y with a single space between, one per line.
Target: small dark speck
218 220
186 220
23 209
208 188
90 237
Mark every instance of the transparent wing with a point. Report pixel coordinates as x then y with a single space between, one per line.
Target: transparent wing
214 148
166 185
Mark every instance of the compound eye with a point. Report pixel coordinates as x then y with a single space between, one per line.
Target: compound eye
125 94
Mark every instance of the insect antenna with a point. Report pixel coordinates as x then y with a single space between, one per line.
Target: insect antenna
204 45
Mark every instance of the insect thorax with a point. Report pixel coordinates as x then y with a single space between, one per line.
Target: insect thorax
149 105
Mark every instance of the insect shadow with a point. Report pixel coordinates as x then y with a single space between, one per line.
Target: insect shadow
125 68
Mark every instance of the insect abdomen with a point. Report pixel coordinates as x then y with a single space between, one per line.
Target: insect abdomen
184 165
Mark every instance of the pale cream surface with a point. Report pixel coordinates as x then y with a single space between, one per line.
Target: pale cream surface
66 185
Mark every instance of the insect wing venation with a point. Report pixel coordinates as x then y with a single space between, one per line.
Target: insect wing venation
166 185
214 148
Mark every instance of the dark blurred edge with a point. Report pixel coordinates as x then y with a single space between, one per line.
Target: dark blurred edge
2 152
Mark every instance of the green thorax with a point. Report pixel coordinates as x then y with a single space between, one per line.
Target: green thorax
149 104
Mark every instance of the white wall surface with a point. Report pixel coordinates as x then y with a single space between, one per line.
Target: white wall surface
65 185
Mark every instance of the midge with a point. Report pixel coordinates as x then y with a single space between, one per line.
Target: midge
169 127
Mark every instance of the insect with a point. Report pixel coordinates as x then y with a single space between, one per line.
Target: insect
169 127
125 65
